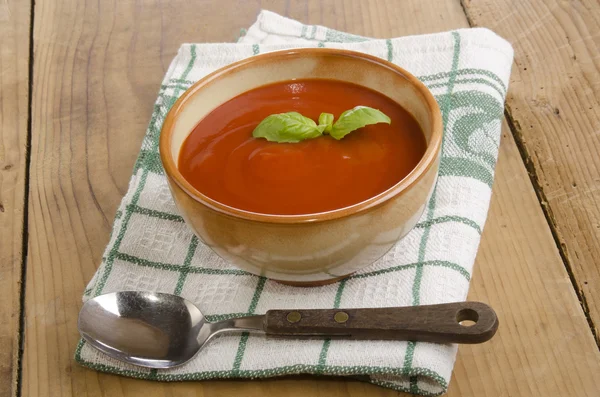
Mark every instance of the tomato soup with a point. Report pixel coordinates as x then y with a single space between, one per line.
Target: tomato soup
222 160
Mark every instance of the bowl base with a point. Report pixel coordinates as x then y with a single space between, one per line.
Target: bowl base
318 283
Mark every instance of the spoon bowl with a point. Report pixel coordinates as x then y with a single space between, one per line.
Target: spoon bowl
151 329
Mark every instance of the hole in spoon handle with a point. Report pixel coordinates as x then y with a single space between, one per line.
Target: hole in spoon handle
461 322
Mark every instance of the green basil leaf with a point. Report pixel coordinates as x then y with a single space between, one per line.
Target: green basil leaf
356 118
286 127
325 122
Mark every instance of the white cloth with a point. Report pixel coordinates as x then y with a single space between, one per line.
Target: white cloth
152 249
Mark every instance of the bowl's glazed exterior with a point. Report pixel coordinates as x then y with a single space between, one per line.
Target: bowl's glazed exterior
311 249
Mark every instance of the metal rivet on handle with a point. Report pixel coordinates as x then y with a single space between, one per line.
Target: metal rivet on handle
341 317
294 317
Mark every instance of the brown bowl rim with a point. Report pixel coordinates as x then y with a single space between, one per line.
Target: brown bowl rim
417 173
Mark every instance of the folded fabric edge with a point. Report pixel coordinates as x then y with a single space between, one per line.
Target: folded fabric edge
267 21
380 376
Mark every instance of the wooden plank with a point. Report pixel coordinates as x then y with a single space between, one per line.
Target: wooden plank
14 100
96 80
554 104
544 346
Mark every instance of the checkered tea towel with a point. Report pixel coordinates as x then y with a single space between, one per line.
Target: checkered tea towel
152 249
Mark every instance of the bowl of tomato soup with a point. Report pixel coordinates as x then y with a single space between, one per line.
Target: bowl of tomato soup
309 212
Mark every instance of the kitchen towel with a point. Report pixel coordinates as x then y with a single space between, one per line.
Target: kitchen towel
152 249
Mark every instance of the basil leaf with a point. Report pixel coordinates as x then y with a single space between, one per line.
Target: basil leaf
325 122
286 127
356 118
292 127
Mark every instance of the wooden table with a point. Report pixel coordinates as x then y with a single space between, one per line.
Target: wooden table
78 80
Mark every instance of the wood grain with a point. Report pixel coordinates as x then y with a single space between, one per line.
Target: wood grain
554 104
543 346
14 98
98 66
428 323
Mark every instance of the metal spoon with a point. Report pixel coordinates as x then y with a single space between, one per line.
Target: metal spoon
159 330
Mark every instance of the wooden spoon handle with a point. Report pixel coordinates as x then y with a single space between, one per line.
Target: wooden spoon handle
433 323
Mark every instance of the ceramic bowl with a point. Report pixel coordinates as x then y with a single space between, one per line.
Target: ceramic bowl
309 249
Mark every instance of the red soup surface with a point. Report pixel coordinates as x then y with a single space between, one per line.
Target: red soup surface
222 160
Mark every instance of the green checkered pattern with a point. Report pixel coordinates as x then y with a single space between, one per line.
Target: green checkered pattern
152 249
